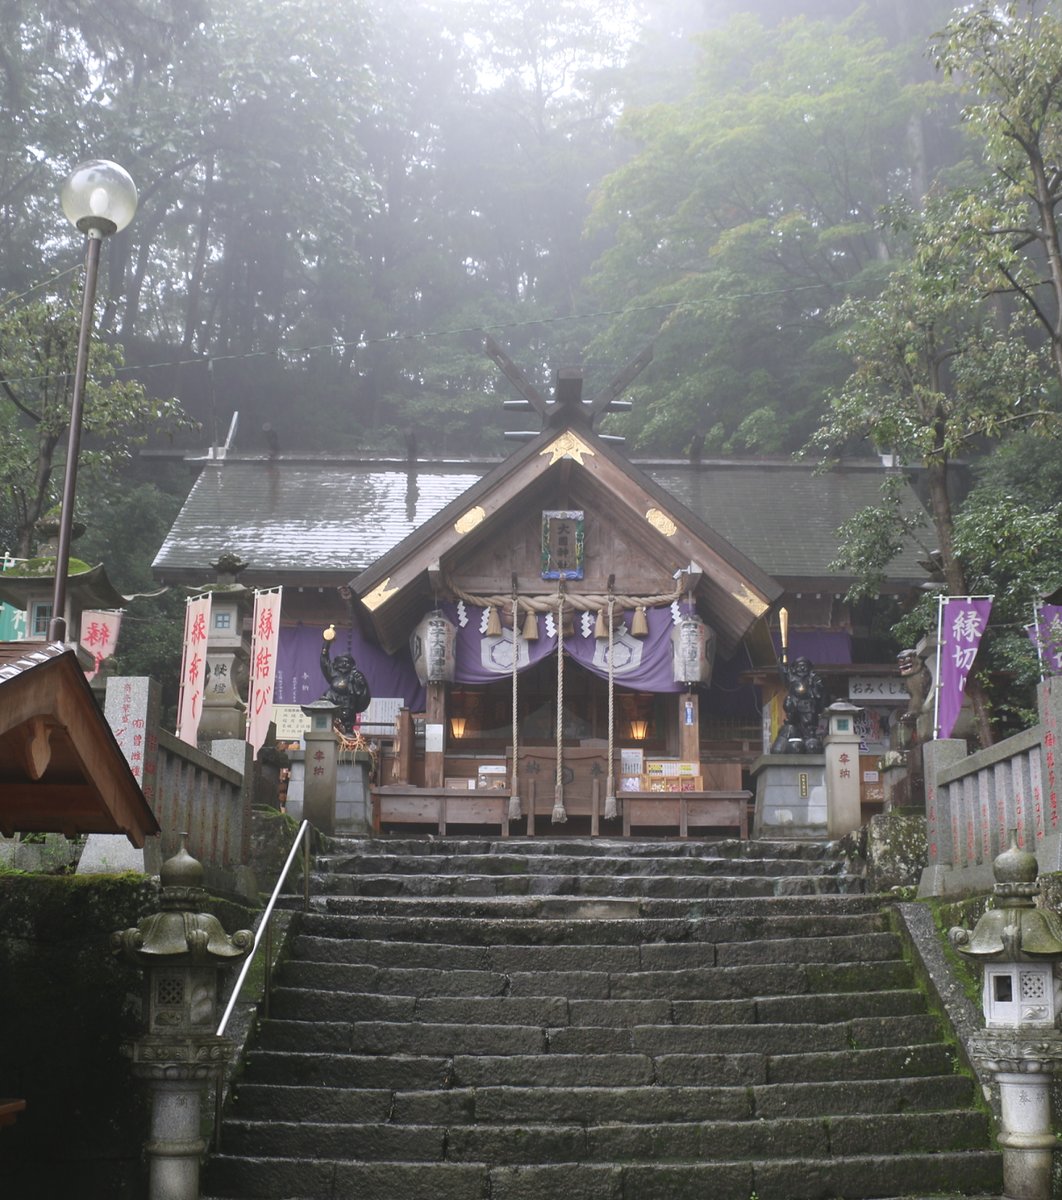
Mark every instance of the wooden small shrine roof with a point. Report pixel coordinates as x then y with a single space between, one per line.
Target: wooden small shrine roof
61 769
394 589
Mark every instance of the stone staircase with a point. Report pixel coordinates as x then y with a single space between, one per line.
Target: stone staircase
597 1020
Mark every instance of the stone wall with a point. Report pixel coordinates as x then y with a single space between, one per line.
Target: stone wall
67 1005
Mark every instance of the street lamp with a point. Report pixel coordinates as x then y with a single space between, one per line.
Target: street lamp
99 198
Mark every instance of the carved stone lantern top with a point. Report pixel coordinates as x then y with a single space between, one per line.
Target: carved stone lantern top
179 935
1015 929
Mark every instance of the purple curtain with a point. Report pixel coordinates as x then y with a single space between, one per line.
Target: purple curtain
299 679
640 663
821 647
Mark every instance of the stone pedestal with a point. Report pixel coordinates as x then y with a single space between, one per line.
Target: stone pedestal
1023 1065
353 802
790 796
844 814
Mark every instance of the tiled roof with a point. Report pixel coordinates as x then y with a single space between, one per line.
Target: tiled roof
783 515
305 517
291 518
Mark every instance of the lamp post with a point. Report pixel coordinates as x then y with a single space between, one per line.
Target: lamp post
99 198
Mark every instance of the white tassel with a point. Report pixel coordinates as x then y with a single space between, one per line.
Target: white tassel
611 805
516 809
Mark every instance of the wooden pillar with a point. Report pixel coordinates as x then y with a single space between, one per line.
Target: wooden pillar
689 718
435 736
403 768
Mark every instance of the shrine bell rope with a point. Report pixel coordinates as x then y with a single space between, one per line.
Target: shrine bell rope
559 813
611 808
514 782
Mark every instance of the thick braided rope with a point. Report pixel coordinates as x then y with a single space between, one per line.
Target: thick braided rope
559 814
585 603
611 807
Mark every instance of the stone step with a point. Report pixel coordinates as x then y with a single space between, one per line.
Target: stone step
771 919
667 887
520 1065
692 983
543 1034
690 1141
311 1005
585 848
416 1092
586 867
865 947
791 895
776 1179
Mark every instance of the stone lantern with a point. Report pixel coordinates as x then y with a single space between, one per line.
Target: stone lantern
319 784
181 952
1019 946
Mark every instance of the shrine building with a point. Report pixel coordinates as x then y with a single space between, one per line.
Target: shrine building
552 633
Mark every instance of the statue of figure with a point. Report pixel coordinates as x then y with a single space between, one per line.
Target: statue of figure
804 701
919 685
347 687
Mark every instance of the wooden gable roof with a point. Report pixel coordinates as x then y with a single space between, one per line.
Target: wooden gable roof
395 590
61 769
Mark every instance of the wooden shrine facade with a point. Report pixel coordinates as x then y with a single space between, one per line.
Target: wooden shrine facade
565 582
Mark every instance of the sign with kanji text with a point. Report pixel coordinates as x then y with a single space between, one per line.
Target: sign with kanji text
193 668
99 636
963 620
265 633
888 688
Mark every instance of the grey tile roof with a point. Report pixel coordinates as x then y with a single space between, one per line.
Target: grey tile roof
291 517
783 515
302 517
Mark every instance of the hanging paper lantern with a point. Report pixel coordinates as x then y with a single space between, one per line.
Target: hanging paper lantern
434 649
692 651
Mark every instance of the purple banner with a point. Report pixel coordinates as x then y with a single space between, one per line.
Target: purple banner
1046 637
963 620
299 679
640 663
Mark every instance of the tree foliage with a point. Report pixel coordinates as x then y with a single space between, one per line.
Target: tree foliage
748 211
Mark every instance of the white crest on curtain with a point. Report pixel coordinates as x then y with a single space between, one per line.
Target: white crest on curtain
496 653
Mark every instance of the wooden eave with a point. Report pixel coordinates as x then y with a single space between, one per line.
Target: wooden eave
395 590
61 770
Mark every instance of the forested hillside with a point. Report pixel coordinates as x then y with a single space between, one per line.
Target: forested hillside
812 208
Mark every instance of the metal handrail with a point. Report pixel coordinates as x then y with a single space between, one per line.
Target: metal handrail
264 935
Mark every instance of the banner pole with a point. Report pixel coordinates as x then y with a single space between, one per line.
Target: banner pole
1039 637
936 680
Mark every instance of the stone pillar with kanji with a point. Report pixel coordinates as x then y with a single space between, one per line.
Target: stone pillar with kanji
843 811
319 784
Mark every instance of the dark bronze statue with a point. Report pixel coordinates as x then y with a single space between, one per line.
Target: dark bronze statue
347 687
804 701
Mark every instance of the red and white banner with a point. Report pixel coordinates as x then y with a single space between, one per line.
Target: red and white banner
962 621
99 636
193 668
264 637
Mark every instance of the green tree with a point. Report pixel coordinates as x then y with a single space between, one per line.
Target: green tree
748 211
38 347
1008 60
